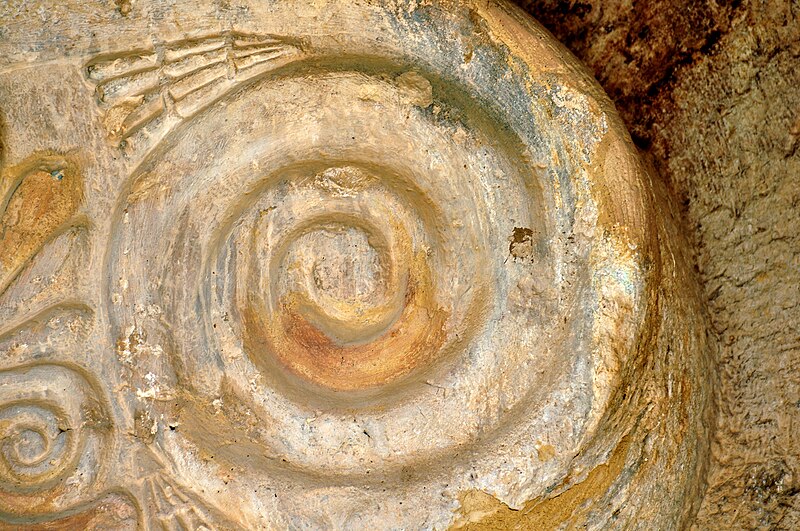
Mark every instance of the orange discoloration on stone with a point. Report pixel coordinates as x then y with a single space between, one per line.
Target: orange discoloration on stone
46 191
483 512
409 342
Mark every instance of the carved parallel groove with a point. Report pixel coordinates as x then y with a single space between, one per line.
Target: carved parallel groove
153 107
192 102
193 63
241 40
107 69
257 48
120 88
174 508
177 51
197 81
197 70
256 59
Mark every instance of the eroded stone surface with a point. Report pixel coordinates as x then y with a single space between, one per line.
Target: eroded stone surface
712 89
337 266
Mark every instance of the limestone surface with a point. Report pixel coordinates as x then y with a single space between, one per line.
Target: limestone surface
334 265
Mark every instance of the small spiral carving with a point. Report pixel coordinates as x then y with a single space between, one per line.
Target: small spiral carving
36 444
349 262
54 436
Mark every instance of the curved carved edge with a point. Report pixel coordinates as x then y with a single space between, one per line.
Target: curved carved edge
46 285
115 509
41 316
39 202
57 432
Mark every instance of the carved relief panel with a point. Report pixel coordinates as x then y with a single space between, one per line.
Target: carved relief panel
333 265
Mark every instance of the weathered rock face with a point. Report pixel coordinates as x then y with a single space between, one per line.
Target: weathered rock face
334 265
712 91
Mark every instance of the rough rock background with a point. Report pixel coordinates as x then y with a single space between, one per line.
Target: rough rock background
711 94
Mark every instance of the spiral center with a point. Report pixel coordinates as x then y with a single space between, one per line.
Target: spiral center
30 446
346 268
336 281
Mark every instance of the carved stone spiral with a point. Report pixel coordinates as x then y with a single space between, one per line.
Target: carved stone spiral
354 265
53 438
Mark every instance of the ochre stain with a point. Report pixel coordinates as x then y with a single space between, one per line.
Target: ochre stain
415 336
483 512
45 193
370 346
